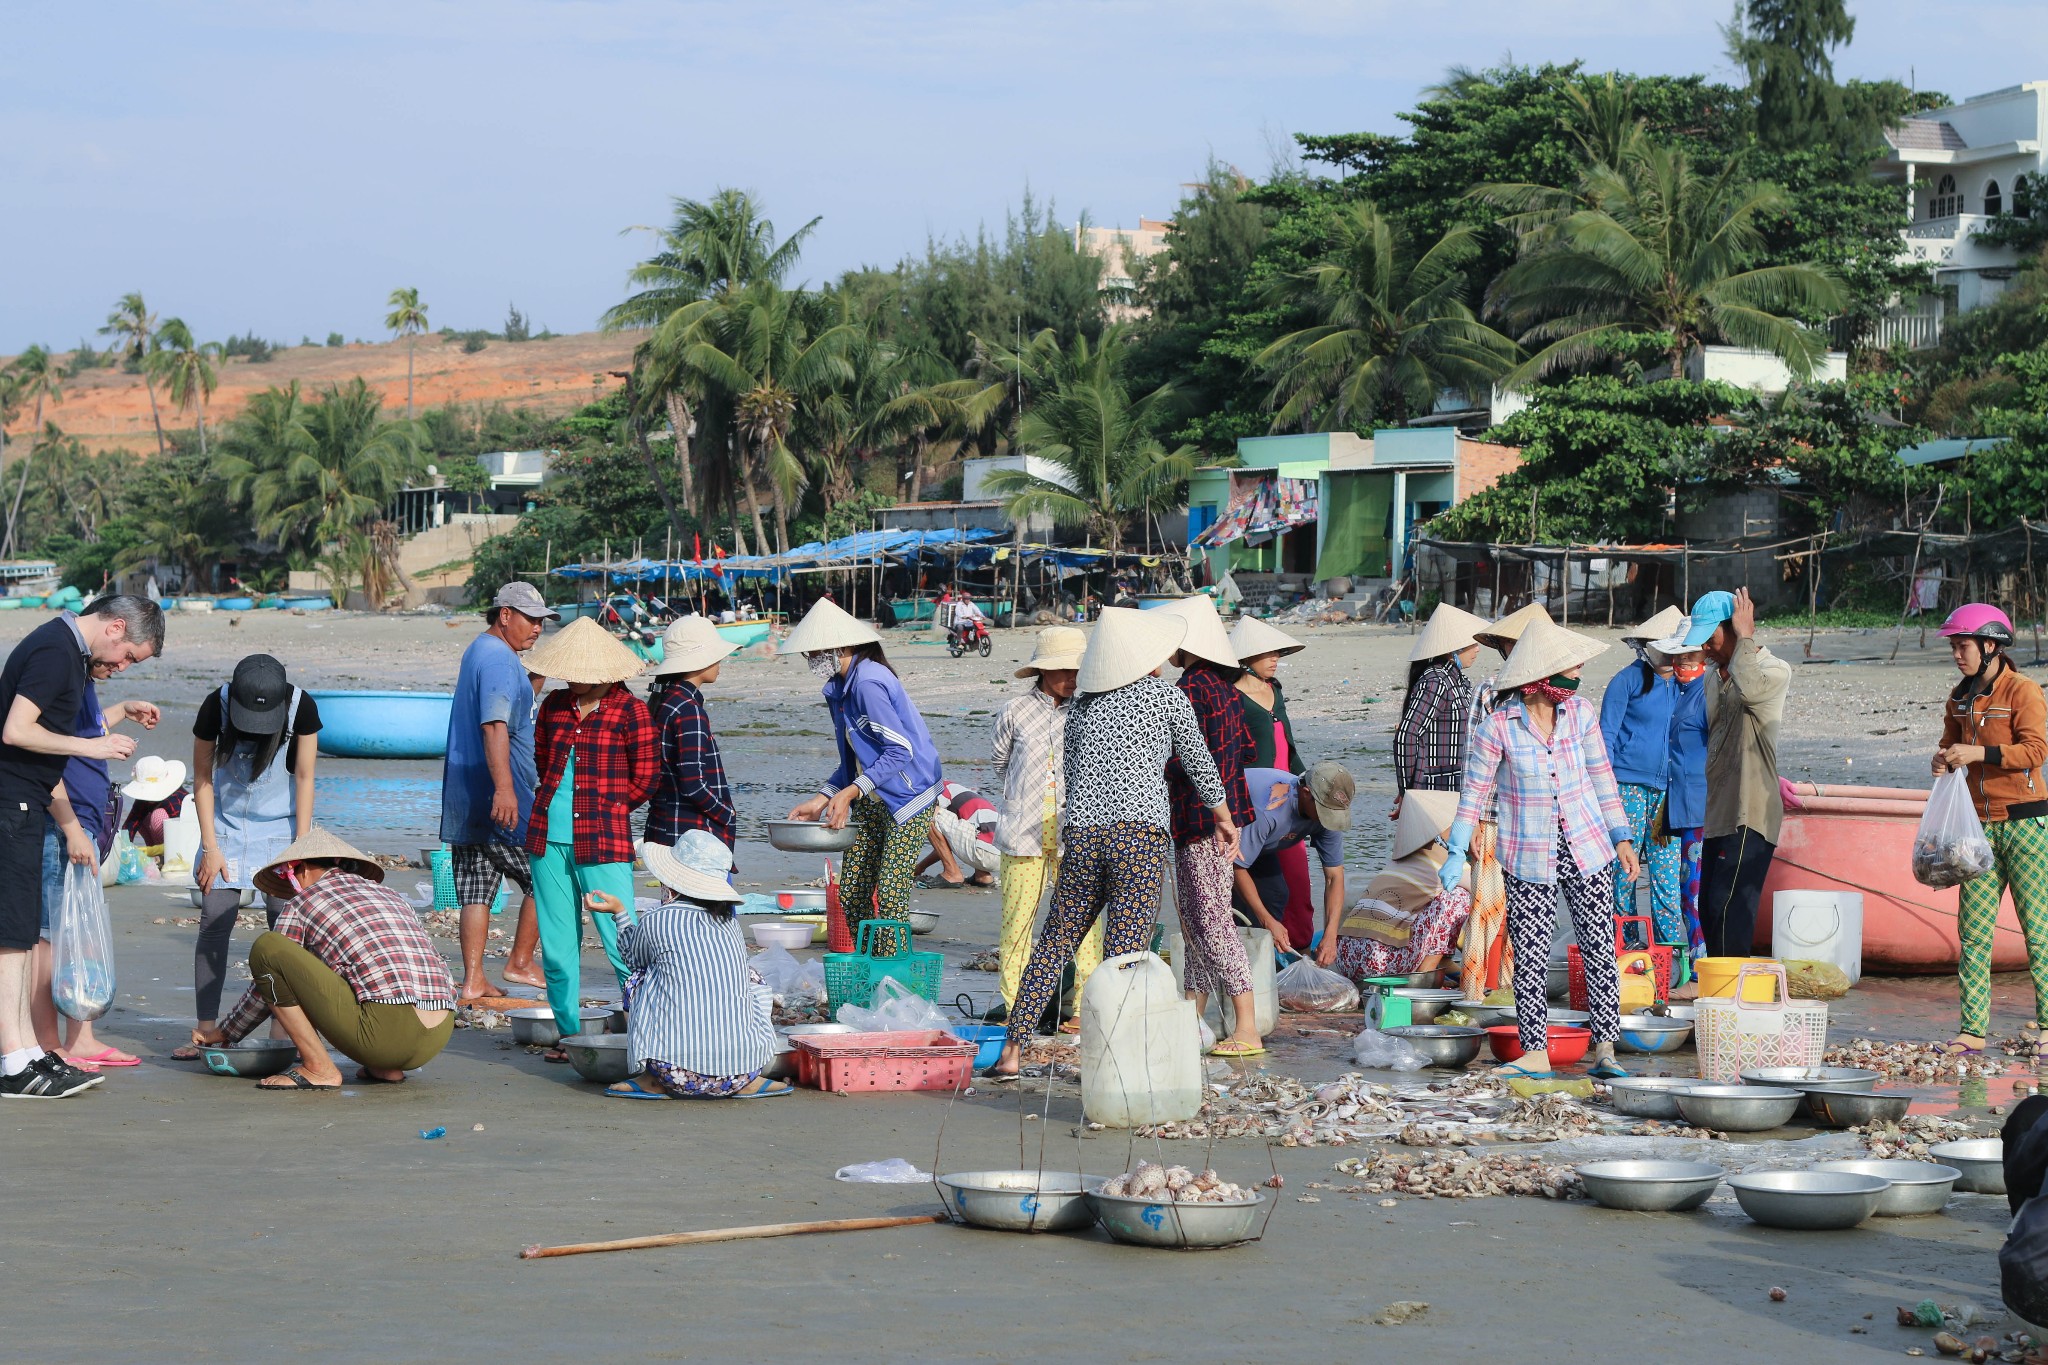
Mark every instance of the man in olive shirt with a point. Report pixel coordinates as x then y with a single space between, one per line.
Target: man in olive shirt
1745 811
40 688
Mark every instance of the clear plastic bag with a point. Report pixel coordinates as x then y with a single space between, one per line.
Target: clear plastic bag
788 977
1376 1051
82 952
897 1009
1302 985
894 1171
1949 848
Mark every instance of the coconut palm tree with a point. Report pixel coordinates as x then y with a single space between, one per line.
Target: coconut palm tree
38 378
1102 442
709 249
1392 329
407 318
186 368
135 326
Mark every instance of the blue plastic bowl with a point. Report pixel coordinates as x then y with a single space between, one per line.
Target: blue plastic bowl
990 1037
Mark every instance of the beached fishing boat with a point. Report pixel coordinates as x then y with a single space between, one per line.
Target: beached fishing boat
235 604
309 604
744 633
1844 838
912 610
1150 601
384 724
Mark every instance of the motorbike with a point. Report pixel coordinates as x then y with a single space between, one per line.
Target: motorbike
970 635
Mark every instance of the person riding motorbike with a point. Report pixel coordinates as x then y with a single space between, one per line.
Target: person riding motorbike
966 624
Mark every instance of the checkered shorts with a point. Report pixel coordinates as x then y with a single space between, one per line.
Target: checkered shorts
479 867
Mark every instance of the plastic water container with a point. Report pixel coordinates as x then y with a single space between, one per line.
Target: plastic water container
1141 1053
1258 950
181 841
1822 926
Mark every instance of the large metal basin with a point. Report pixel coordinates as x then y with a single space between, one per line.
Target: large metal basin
808 836
1555 1018
252 1058
1651 1186
1835 1108
1648 1097
1651 1033
1918 1188
1981 1162
536 1027
1810 1201
1737 1108
1150 1223
600 1057
1446 1045
1019 1201
1807 1077
1427 1002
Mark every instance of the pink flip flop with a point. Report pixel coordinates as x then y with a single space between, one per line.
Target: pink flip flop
106 1056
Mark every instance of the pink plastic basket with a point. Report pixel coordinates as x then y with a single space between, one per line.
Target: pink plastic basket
1735 1035
923 1059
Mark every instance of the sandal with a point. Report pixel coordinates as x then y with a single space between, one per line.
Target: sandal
363 1077
995 1077
765 1089
106 1056
1230 1047
1606 1069
298 1082
554 1054
1956 1048
631 1089
1514 1071
187 1053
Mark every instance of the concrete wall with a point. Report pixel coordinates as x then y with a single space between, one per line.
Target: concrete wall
1759 370
1751 517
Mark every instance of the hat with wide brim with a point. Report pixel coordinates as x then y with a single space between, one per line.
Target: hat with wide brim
827 625
1500 636
1656 628
155 778
1426 816
1205 638
1057 647
696 866
1450 629
1676 643
1544 651
1252 637
583 652
1127 644
317 846
690 644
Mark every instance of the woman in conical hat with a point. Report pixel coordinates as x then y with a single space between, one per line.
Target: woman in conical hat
1406 921
1636 714
1259 648
1429 741
1485 929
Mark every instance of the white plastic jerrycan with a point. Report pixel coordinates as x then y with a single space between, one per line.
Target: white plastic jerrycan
1141 1049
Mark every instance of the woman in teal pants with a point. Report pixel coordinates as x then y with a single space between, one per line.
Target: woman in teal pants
595 747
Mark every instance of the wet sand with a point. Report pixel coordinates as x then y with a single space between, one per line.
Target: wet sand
173 1215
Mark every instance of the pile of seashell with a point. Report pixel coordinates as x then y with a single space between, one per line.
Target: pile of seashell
1176 1184
475 1016
1912 1135
984 961
1909 1061
799 1012
1461 1177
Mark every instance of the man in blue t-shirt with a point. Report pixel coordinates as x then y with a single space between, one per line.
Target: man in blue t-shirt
487 784
1285 810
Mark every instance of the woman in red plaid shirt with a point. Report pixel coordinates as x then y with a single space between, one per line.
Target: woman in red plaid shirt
594 746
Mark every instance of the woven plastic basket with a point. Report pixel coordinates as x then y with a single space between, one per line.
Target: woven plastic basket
1734 1035
444 883
850 978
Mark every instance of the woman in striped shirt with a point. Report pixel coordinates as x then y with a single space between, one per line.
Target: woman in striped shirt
1429 741
698 1017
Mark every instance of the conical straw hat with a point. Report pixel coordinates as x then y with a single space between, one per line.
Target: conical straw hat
1656 628
1502 634
318 844
827 625
1449 630
1206 638
1425 817
1253 637
693 642
583 652
1545 649
1127 644
1057 647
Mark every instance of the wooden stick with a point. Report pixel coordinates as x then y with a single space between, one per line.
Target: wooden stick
678 1239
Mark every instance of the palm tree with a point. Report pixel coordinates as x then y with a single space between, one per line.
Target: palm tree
982 407
1654 246
708 249
407 318
37 377
1392 329
135 325
1102 442
187 369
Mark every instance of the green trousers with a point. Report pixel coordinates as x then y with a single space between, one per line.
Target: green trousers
386 1037
874 876
2021 847
559 886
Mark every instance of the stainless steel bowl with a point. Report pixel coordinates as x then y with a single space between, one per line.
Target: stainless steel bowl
1650 1033
1019 1201
1482 1015
782 1066
1651 1186
1836 1108
1811 1201
1918 1188
600 1057
1445 1045
1426 1002
1689 1013
1557 980
1560 1018
252 1058
1422 980
1737 1108
1807 1077
800 899
1146 1222
923 921
615 1020
536 1027
808 836
1648 1097
1981 1162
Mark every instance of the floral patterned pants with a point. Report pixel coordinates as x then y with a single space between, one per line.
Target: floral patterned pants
875 875
1109 870
1202 882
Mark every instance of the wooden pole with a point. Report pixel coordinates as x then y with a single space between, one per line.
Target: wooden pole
1913 576
681 1239
2033 592
1813 545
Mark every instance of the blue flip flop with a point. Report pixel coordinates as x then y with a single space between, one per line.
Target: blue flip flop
1606 1069
774 1092
1514 1071
636 1093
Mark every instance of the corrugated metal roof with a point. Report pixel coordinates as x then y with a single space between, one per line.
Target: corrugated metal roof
1939 452
1925 135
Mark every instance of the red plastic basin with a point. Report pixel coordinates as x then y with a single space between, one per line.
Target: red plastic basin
1568 1042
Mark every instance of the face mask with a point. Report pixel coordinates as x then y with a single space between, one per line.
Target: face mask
1563 683
1691 672
291 878
822 666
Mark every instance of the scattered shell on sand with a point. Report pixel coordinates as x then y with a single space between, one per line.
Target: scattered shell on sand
1913 1061
1431 1176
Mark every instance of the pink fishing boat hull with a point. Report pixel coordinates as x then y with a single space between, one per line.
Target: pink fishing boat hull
1861 839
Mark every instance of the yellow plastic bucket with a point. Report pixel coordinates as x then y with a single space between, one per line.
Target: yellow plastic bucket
1717 979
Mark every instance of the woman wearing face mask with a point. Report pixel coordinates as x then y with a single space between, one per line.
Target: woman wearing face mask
1995 728
1429 741
888 778
1635 723
1561 823
1685 793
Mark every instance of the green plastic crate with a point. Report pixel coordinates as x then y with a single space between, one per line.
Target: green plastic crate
850 978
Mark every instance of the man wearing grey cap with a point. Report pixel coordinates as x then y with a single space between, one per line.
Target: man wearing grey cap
1287 809
487 784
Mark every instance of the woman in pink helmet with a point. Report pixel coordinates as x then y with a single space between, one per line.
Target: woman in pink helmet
1995 728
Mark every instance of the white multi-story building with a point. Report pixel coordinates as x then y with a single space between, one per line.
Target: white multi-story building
1962 168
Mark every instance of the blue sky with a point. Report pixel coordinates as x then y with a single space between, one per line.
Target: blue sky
282 166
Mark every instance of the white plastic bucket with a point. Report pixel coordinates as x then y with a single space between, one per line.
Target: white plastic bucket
181 841
1141 1051
1820 926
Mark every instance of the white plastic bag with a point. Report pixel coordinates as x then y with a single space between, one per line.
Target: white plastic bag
787 977
1377 1051
897 1009
82 952
1302 985
894 1171
1949 848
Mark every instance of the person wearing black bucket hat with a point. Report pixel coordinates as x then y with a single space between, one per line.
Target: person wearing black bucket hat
253 754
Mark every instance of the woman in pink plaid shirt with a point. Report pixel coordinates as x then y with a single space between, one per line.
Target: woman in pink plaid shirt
1561 823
